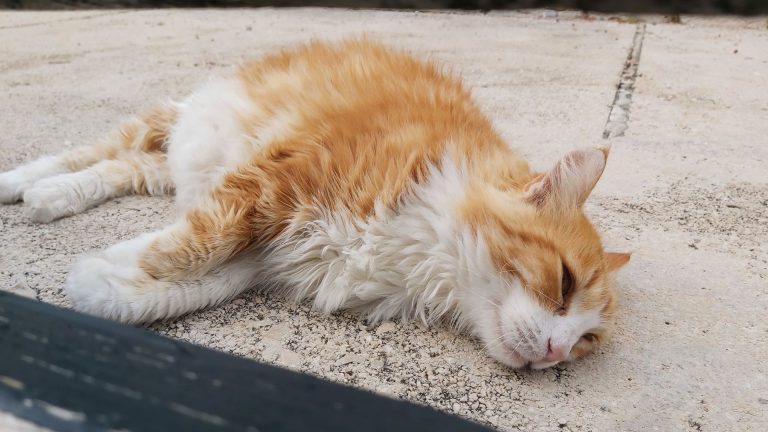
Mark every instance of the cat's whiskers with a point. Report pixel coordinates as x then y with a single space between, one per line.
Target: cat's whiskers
501 341
489 301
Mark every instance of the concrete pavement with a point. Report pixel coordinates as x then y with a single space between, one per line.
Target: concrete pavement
686 189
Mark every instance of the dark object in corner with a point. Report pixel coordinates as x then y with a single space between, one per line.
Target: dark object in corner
71 372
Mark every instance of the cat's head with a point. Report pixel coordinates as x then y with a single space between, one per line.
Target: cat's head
548 295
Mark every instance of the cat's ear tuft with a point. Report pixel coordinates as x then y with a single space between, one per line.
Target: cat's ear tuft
568 184
616 260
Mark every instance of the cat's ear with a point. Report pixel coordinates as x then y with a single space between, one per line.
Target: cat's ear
616 260
568 184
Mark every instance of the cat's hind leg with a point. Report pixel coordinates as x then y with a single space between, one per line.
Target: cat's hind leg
92 174
68 194
15 182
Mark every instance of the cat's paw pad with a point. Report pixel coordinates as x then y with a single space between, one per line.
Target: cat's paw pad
47 201
98 286
12 186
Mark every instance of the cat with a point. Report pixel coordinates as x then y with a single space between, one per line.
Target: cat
351 174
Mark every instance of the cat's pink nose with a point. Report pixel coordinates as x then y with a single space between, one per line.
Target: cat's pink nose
556 352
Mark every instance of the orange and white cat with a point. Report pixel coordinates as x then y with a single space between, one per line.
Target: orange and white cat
352 175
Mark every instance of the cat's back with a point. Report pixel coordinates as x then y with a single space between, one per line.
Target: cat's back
347 73
358 87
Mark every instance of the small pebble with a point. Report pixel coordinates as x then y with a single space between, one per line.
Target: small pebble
386 327
347 359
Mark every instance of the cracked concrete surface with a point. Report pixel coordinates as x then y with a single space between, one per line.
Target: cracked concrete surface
686 189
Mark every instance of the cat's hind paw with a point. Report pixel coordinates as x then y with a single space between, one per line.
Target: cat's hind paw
12 186
15 182
47 201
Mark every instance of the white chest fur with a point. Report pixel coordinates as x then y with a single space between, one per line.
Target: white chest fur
412 262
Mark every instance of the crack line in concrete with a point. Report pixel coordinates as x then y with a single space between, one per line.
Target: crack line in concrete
619 114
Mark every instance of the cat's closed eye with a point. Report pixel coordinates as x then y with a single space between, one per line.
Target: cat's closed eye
566 284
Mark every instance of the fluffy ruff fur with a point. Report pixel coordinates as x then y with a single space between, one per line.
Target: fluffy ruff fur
352 175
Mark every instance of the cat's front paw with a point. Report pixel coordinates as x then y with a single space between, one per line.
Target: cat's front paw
49 200
12 186
111 285
98 286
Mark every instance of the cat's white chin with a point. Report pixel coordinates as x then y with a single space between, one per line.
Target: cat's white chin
502 350
497 347
509 357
